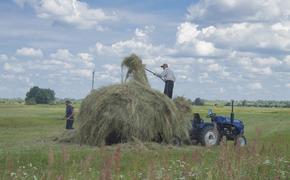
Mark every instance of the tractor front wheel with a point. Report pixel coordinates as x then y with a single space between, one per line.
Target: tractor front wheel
209 136
240 141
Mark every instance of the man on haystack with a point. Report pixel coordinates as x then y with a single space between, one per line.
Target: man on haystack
69 115
168 76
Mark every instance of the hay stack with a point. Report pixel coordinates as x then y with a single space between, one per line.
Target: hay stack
124 112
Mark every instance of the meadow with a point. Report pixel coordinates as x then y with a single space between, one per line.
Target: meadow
28 149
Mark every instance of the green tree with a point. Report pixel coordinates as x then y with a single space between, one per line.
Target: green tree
38 95
199 102
244 103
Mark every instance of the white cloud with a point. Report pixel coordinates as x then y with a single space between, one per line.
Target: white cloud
62 54
287 60
214 67
255 65
3 57
14 68
8 76
203 77
112 67
187 33
87 60
110 73
271 61
131 46
190 38
98 49
232 36
52 63
143 34
29 52
217 11
87 73
204 48
262 71
139 44
255 86
288 85
65 63
72 12
108 78
85 56
242 25
281 26
79 64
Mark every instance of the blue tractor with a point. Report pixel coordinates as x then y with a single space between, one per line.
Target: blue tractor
220 128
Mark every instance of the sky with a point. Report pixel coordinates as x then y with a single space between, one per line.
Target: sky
218 49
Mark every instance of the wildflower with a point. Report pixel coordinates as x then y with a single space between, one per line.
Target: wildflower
267 162
192 174
140 174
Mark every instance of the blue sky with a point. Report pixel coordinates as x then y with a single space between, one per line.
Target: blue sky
218 49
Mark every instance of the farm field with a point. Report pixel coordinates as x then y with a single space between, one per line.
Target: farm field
28 150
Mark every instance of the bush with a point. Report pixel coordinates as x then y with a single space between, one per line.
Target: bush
30 101
37 95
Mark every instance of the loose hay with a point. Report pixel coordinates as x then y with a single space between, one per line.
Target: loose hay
129 111
135 69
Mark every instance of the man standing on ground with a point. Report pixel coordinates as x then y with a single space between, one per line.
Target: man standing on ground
168 76
69 115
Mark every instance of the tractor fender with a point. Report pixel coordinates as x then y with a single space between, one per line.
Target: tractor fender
206 124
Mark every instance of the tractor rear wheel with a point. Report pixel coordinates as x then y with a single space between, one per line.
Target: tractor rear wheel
240 141
209 136
176 141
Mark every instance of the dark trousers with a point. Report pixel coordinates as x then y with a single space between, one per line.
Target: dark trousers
69 124
168 89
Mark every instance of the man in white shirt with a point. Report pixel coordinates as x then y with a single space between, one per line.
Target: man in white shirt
168 76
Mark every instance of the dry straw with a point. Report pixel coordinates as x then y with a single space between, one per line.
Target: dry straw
131 110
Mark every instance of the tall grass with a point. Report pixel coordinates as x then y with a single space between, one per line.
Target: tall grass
255 161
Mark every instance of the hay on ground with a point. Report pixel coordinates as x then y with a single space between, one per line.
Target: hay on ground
131 110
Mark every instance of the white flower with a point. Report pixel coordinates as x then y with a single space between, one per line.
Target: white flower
267 162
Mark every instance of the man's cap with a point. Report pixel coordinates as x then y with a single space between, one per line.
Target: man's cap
67 102
164 65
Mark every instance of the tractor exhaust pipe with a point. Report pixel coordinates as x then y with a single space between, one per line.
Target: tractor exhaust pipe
232 113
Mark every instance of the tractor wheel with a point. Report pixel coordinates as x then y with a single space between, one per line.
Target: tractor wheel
240 141
176 141
209 137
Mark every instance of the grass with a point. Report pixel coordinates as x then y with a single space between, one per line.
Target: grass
27 150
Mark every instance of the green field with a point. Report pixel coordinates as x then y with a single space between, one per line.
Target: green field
27 150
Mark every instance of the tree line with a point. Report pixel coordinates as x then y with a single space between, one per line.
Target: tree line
261 103
38 95
243 103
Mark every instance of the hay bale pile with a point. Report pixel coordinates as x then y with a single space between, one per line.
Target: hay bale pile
131 110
